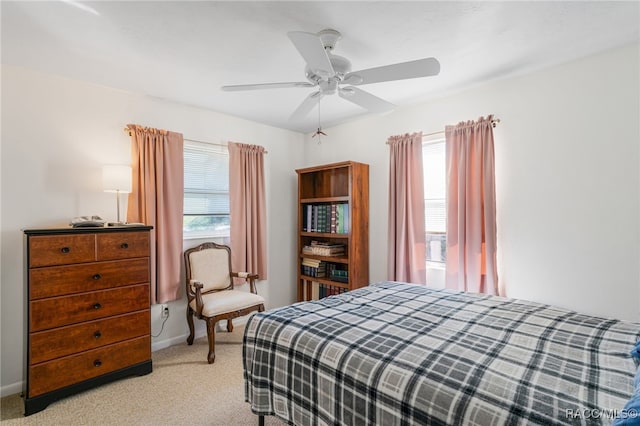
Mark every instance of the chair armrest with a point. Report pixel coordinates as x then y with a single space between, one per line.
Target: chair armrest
199 303
251 278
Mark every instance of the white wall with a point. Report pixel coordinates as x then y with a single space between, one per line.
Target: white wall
56 135
567 181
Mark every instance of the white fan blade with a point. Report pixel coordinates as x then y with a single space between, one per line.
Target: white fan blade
306 106
365 100
265 86
404 70
312 50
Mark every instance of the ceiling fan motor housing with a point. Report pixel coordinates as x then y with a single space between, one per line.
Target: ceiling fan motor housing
340 65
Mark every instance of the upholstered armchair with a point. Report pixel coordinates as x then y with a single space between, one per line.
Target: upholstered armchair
211 293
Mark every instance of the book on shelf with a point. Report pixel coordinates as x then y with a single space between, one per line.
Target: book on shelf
332 220
325 244
314 227
314 291
308 218
342 218
320 248
314 263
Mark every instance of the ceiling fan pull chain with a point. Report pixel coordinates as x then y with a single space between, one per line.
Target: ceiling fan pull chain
319 125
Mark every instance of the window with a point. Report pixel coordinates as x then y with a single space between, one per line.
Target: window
435 201
206 190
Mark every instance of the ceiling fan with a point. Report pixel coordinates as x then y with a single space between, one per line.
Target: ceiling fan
332 74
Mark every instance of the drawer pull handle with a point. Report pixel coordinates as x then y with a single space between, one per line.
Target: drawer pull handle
124 246
65 250
97 306
97 277
97 334
97 363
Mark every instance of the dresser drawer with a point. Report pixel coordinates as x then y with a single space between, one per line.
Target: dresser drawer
61 280
72 369
65 310
122 245
48 250
63 341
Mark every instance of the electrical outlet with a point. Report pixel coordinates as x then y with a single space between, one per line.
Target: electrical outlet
165 311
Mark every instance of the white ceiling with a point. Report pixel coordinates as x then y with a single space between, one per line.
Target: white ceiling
185 51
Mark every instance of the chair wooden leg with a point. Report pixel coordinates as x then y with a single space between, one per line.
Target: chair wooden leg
229 325
190 322
211 335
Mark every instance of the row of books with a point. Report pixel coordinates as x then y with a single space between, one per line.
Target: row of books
318 290
328 218
313 267
324 248
337 272
339 275
320 269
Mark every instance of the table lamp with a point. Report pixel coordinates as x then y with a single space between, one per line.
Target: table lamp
116 178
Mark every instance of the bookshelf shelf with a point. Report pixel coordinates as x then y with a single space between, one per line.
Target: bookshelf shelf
333 199
331 259
325 200
326 281
323 235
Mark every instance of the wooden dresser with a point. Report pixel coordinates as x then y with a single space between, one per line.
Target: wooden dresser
87 313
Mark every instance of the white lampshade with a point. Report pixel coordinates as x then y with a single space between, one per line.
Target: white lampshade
116 178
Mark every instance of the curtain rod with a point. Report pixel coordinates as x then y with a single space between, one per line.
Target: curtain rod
127 130
494 123
212 143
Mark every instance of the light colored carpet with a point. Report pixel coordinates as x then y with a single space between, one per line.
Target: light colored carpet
182 389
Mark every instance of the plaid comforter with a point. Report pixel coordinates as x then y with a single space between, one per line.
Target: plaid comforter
402 354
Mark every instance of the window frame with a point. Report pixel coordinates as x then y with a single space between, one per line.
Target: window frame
435 264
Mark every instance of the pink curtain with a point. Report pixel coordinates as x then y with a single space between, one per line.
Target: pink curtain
406 261
156 199
248 209
471 207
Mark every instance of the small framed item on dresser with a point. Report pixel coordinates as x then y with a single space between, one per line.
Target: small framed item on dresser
87 310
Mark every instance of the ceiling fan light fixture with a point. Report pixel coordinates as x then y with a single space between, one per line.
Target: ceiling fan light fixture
329 87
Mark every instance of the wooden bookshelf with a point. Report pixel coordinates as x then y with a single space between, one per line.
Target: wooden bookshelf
333 211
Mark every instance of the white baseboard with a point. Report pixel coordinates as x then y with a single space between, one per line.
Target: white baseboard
11 389
175 340
199 332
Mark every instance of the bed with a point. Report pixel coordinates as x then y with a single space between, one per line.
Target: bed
402 354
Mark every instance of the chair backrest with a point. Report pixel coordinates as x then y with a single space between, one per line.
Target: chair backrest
209 264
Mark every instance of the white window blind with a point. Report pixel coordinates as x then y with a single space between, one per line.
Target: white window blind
434 166
206 189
